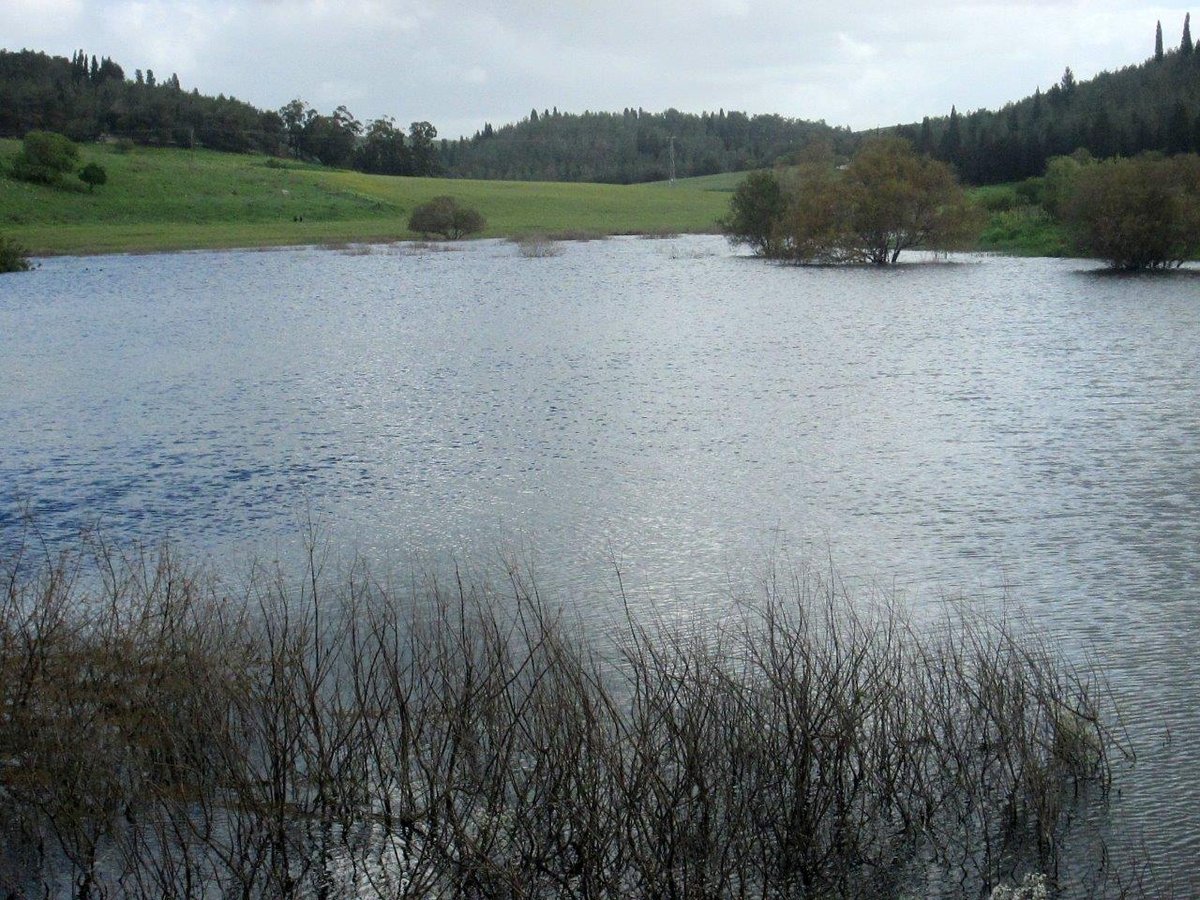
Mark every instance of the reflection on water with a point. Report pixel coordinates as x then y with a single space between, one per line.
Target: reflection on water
1024 431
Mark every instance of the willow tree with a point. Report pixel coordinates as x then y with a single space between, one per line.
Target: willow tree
1141 213
899 200
886 200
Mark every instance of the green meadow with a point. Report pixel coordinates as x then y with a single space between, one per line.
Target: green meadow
169 199
160 199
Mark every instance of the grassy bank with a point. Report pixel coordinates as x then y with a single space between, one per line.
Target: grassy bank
160 199
1016 226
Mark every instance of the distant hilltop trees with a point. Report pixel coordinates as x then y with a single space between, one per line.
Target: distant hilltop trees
634 145
90 99
1154 106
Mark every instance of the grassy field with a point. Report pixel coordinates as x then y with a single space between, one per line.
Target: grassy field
159 199
179 199
726 182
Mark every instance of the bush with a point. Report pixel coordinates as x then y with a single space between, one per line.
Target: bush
444 216
534 246
44 157
93 174
345 741
13 257
1141 213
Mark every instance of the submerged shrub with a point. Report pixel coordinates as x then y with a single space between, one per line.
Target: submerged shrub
536 246
445 216
162 735
13 256
1141 213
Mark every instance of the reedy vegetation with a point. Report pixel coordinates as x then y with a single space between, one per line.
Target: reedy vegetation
163 735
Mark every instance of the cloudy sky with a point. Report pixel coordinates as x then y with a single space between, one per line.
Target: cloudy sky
459 63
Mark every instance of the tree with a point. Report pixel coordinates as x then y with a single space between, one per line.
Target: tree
422 150
951 147
1141 213
1185 46
816 224
900 200
1068 83
1158 43
444 216
93 174
887 200
383 151
755 212
44 157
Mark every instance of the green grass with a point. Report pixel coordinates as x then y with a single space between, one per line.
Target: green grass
1016 227
725 182
158 199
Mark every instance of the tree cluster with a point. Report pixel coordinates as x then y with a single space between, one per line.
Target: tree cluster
887 199
632 146
44 158
87 99
340 140
1154 106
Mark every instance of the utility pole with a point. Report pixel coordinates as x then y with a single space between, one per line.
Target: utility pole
672 159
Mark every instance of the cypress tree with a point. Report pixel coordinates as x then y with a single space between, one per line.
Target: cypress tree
1158 44
951 139
1185 47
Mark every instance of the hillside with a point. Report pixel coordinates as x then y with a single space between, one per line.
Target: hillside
166 199
1153 106
633 145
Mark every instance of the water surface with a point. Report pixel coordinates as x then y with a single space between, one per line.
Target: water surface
1019 432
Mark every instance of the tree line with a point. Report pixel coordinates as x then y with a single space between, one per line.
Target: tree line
89 99
1134 213
633 145
1153 106
86 99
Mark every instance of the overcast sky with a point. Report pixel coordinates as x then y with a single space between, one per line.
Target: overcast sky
460 64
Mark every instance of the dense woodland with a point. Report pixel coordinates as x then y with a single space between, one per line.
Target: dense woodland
1151 106
633 145
1154 106
91 99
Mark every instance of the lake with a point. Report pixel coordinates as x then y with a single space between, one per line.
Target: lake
1020 433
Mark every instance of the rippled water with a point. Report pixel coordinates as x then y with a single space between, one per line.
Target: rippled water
1022 431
